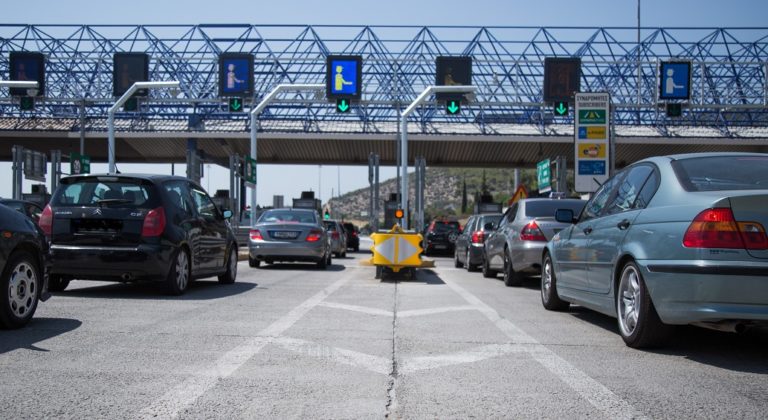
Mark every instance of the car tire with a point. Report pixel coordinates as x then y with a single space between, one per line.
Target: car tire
511 277
344 254
470 267
57 283
20 282
549 297
456 262
357 248
639 323
230 275
178 274
487 272
253 262
322 264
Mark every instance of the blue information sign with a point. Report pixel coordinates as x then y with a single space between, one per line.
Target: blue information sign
591 167
675 80
343 77
235 74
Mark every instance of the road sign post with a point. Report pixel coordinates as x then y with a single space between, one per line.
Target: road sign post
592 146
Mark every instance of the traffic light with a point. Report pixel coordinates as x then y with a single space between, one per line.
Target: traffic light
235 104
453 107
674 110
342 105
399 214
561 108
27 103
562 78
326 215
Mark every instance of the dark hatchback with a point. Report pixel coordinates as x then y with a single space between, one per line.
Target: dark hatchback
137 227
23 259
441 236
353 236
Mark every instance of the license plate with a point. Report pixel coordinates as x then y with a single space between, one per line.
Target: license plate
285 235
440 246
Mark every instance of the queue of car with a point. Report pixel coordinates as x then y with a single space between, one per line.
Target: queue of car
669 240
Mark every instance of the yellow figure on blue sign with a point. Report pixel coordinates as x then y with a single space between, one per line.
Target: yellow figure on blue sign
339 81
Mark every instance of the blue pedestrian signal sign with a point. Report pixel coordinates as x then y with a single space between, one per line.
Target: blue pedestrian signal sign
675 80
343 77
27 66
235 74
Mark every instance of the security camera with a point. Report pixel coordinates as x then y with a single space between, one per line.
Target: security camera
32 92
174 92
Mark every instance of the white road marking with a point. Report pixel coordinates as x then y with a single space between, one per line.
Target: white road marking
433 311
402 314
414 364
613 406
369 362
355 308
184 394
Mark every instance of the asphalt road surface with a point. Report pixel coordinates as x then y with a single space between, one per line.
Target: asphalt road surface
291 341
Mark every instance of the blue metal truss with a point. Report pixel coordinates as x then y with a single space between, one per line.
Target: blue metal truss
729 71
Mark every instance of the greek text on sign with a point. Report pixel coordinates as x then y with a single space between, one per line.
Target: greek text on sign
593 133
591 167
592 150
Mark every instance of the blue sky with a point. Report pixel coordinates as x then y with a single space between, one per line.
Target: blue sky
290 180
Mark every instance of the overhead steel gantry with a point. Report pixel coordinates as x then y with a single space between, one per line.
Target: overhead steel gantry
728 104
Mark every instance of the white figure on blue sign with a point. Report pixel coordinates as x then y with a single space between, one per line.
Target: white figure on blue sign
669 83
232 78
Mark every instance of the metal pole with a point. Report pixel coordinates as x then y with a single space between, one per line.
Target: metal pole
639 77
404 138
254 125
18 161
55 168
82 127
376 192
120 101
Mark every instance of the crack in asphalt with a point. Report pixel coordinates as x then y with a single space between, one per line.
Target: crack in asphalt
391 406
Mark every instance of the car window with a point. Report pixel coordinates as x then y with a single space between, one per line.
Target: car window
33 211
597 203
178 194
715 173
118 192
512 213
329 225
490 219
547 208
287 216
626 193
648 190
470 226
203 204
445 227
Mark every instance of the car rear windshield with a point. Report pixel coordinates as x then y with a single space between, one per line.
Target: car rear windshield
287 216
547 208
329 225
716 173
491 219
443 227
113 191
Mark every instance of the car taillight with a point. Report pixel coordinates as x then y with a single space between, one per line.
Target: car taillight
717 228
531 232
314 235
354 234
255 235
478 237
46 220
154 222
335 235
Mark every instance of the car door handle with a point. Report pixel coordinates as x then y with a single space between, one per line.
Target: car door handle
588 230
623 225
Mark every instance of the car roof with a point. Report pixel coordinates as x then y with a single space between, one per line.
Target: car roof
682 156
148 177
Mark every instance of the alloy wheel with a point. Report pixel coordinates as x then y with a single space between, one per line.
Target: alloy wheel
22 289
629 300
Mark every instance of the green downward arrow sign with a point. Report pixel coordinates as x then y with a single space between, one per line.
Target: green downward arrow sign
235 104
342 105
453 107
561 108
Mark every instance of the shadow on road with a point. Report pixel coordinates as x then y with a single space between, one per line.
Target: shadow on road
197 290
299 266
745 352
425 276
39 329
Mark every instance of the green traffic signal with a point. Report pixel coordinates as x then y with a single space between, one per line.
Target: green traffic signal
132 104
452 107
235 104
342 105
561 108
27 103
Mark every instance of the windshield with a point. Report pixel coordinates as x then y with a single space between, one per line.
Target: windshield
287 216
445 227
716 173
96 192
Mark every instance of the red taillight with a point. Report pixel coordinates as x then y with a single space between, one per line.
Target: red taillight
46 220
717 228
335 235
154 222
531 232
255 235
478 237
354 234
314 235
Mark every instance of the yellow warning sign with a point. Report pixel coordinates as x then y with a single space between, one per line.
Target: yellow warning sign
396 249
592 150
520 193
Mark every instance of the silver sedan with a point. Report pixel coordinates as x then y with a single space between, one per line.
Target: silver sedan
289 235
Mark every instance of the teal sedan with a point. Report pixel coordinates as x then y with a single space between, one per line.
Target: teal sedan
667 241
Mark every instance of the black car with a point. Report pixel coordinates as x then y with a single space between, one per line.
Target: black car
353 236
137 227
441 236
23 259
28 208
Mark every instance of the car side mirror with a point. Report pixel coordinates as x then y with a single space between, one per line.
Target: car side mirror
489 226
227 214
564 216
